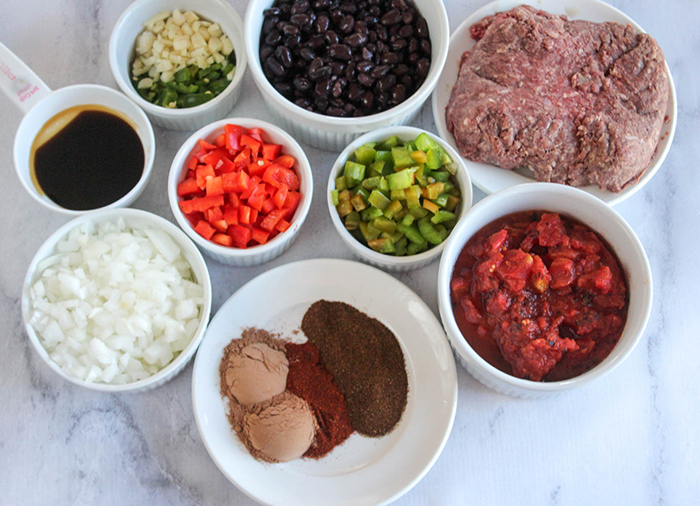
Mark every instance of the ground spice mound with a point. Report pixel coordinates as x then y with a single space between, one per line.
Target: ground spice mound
312 382
366 362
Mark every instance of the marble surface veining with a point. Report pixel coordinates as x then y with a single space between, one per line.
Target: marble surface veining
632 438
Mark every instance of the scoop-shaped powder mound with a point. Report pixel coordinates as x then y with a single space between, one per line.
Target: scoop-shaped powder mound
256 373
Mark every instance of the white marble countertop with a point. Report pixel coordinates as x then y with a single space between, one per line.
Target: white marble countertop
630 438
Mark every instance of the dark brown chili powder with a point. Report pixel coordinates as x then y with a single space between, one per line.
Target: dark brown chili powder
366 361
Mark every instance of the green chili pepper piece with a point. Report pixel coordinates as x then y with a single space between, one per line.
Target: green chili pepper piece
442 216
196 99
430 233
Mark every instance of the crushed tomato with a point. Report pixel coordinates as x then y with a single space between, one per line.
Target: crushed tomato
539 296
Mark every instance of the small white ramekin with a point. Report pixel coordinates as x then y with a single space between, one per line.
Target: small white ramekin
328 132
62 99
592 212
254 255
132 218
390 262
121 55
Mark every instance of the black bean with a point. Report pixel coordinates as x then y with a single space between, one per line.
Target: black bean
361 27
287 28
349 7
391 18
367 100
356 39
406 31
321 103
389 58
413 58
407 82
398 94
292 41
265 52
372 20
375 11
407 17
399 44
423 67
335 111
425 46
321 24
349 108
307 53
400 69
365 66
340 52
274 66
347 24
273 38
382 34
300 7
284 56
399 4
322 88
386 83
372 36
336 102
332 37
339 87
367 53
300 19
380 71
272 11
322 4
320 73
317 42
302 84
337 68
284 88
284 7
337 16
422 28
304 103
269 24
350 72
383 99
413 45
365 80
382 47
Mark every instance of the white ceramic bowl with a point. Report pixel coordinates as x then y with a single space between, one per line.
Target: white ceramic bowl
592 212
490 178
390 262
62 99
256 254
132 218
121 54
331 133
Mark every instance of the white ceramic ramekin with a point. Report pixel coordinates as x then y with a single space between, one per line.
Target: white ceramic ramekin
331 133
256 254
132 218
592 212
121 54
62 99
390 262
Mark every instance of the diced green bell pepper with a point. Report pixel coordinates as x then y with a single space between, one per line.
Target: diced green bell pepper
378 200
401 156
354 173
400 180
442 216
429 232
365 154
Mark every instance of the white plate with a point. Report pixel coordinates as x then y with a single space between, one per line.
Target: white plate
489 178
362 470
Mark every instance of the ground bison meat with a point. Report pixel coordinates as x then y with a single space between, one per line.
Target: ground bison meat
574 101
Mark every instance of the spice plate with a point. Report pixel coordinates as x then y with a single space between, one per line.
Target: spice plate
362 470
491 179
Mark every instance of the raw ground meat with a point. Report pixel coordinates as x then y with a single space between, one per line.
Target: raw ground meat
576 102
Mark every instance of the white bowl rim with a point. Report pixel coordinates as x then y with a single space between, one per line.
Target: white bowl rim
304 169
166 112
366 252
147 162
648 173
114 214
463 348
292 109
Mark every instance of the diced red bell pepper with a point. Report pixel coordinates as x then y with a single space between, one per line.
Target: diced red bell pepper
277 175
204 172
244 215
192 164
268 206
241 235
200 153
204 229
243 157
223 239
233 137
252 183
215 186
271 151
286 161
257 197
231 215
253 144
270 221
226 166
281 196
201 204
282 225
256 133
220 141
254 213
234 200
258 167
290 204
188 187
220 226
259 236
214 214
206 145
213 157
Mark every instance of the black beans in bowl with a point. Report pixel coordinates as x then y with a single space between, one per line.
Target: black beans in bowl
345 58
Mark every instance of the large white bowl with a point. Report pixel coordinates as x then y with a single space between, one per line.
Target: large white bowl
132 218
490 178
390 262
328 132
121 54
255 254
592 212
62 99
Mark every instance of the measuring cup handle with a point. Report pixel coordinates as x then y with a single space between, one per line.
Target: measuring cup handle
18 82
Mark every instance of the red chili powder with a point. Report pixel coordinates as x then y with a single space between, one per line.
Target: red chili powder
312 382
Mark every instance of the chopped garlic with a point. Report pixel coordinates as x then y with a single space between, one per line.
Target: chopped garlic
145 83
